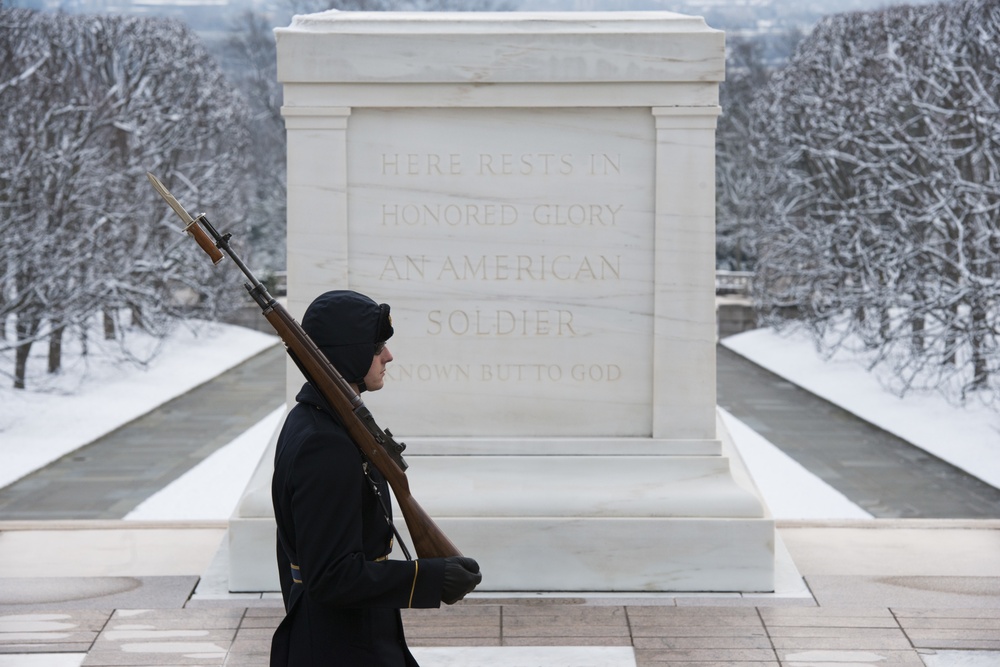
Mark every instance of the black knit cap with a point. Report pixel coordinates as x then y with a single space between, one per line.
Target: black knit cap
346 326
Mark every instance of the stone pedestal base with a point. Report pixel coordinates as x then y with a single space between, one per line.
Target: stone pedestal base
588 515
520 554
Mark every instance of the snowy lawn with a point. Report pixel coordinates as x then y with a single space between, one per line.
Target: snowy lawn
38 427
98 393
968 438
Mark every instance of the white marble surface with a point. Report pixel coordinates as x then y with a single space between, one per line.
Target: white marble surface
43 660
533 194
504 47
961 658
516 250
526 656
106 550
622 554
580 486
549 258
602 523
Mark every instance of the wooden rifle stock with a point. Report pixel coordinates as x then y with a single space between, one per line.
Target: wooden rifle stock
428 539
376 445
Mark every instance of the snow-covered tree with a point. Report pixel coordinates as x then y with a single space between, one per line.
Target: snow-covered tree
89 104
736 178
249 56
877 221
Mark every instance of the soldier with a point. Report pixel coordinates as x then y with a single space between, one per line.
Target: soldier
342 594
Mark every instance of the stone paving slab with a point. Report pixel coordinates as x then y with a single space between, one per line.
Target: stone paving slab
961 658
992 624
898 641
550 656
748 601
971 629
716 656
694 622
912 547
777 632
841 618
700 642
849 657
658 635
227 618
965 613
643 660
835 635
166 637
459 625
24 595
894 591
43 660
565 626
71 631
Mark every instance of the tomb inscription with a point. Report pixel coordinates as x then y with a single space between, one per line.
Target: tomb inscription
515 247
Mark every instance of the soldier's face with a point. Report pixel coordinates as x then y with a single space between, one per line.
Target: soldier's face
375 378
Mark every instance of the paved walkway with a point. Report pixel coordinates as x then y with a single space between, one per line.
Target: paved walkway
885 475
110 477
652 635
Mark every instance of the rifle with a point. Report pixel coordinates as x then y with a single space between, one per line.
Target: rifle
377 446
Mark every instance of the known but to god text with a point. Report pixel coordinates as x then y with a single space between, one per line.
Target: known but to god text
576 373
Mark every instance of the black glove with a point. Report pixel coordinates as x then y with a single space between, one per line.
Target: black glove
461 575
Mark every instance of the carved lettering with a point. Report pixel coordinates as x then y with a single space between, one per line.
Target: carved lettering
522 240
577 215
596 372
428 372
525 164
448 215
554 373
603 164
403 268
421 164
501 164
501 322
503 268
520 372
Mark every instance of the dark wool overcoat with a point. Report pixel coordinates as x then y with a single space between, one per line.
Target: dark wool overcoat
331 530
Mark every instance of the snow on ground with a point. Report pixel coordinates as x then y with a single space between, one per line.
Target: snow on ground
32 437
966 437
227 470
98 393
790 491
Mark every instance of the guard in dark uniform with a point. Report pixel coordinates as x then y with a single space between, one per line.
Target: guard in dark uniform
342 595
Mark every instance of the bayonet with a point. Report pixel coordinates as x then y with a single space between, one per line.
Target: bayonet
191 225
